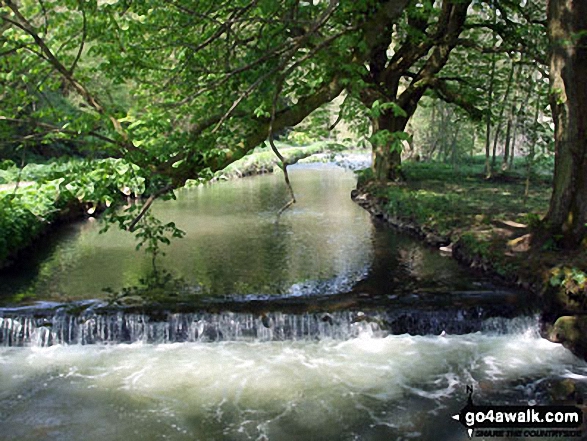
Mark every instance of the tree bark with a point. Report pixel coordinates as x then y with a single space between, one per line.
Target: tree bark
385 82
567 30
387 155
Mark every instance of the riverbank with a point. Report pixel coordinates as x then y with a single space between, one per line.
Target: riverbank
40 196
263 159
487 225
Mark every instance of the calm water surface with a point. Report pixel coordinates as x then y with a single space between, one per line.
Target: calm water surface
234 246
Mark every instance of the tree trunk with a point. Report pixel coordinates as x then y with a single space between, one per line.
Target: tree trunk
443 135
385 83
474 141
501 112
567 28
532 153
506 150
387 157
453 149
488 167
513 146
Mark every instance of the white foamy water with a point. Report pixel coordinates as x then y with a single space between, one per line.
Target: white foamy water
363 388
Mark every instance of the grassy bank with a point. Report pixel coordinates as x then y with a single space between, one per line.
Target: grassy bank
492 218
263 160
452 201
488 224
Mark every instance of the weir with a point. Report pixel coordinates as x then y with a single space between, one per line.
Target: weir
121 327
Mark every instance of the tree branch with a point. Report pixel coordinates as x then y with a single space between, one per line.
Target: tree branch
148 204
48 55
81 46
445 92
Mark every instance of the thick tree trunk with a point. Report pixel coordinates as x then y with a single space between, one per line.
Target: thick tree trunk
567 28
387 158
386 74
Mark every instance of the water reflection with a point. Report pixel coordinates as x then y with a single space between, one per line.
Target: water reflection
323 244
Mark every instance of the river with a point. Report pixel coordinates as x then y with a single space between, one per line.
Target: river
321 325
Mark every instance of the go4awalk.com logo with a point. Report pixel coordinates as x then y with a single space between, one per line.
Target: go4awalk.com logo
520 421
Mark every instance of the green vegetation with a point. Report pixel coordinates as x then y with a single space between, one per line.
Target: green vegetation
491 224
38 195
449 201
165 93
263 160
112 79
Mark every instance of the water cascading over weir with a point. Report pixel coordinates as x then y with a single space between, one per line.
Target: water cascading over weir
45 328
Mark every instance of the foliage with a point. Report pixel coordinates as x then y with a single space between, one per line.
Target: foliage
177 91
49 190
442 132
18 227
572 279
313 129
263 160
149 231
119 74
157 286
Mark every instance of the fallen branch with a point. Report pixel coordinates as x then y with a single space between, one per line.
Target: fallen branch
276 151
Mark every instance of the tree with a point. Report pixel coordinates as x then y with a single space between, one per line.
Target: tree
567 29
206 81
394 82
415 57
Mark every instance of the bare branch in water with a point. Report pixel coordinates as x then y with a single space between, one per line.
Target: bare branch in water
147 205
276 151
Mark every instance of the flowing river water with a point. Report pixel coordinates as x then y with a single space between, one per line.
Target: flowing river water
324 325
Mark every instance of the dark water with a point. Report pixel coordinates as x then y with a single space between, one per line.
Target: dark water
323 326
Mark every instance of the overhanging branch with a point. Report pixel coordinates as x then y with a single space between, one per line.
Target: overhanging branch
447 93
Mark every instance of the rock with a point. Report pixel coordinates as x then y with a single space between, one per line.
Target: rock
266 321
446 250
327 318
570 331
563 391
